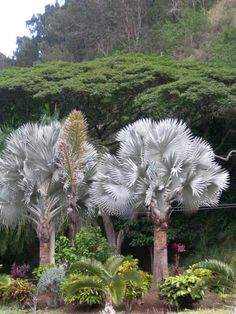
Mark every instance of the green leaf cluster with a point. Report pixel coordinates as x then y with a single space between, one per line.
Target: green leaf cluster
19 290
84 296
89 242
135 290
183 290
38 271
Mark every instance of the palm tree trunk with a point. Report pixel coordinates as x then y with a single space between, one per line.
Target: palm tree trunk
160 226
46 235
52 245
115 239
160 262
44 252
108 309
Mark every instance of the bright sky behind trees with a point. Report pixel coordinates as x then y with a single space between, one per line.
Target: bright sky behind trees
13 17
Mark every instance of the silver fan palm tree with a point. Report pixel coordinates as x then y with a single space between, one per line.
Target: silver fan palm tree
33 182
158 164
29 182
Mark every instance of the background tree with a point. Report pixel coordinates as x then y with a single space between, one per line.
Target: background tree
158 164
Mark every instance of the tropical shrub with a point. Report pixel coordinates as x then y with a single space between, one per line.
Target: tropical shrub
223 277
133 290
105 277
20 291
50 282
5 281
38 271
19 271
89 242
182 291
82 296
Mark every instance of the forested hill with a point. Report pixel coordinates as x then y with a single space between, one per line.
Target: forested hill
80 30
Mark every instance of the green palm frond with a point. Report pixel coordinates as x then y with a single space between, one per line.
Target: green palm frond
113 263
117 291
87 265
134 276
219 268
85 282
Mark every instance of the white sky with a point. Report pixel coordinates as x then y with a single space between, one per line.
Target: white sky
13 17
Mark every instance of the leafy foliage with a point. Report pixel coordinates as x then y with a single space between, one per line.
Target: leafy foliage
50 282
89 242
84 296
20 291
38 271
19 271
223 275
183 290
133 290
105 277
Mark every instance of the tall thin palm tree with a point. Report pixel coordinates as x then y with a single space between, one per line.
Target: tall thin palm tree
105 277
158 164
77 160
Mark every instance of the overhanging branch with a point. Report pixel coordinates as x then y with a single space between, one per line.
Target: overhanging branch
228 156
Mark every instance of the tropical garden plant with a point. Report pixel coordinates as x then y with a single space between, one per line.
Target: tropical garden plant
89 242
223 275
158 164
183 290
34 184
105 277
30 186
77 160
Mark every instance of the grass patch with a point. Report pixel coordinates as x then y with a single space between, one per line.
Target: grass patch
217 311
15 310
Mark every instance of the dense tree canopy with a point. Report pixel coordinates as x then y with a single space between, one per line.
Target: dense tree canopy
126 86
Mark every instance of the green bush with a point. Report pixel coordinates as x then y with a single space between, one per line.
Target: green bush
133 290
89 242
183 290
38 271
5 282
84 296
20 291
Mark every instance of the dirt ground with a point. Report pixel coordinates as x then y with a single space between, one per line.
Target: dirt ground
151 305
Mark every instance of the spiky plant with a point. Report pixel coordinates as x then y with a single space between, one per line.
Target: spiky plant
77 159
158 164
105 277
223 275
29 182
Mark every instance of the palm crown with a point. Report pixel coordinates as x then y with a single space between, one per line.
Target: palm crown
158 159
105 277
